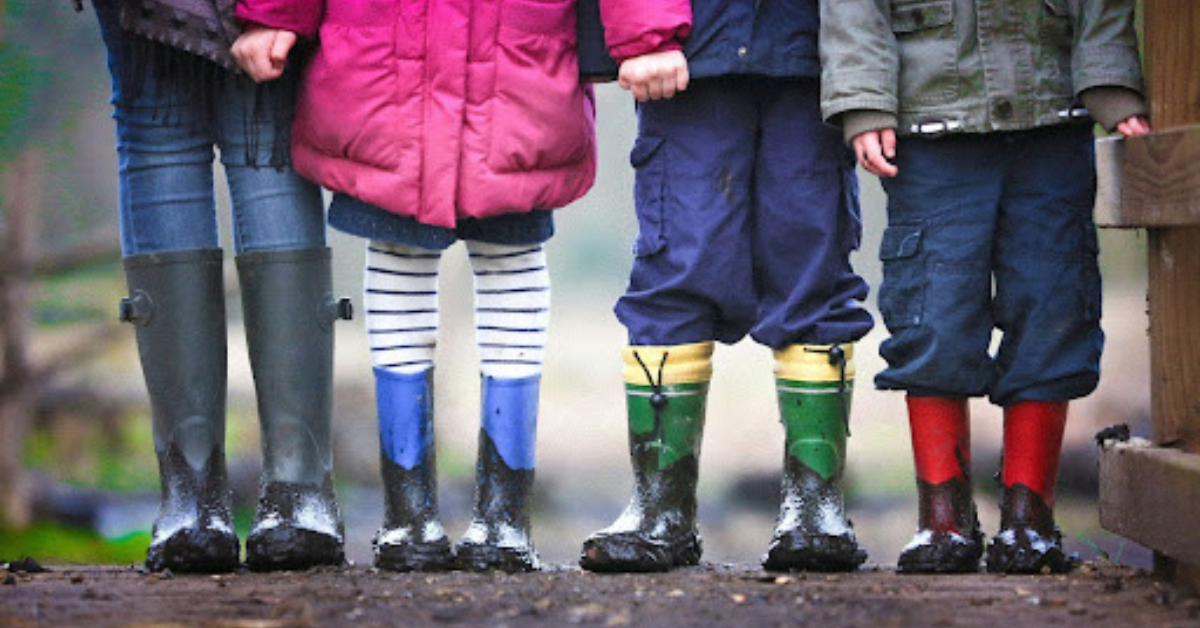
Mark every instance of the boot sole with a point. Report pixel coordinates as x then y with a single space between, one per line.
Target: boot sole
631 553
482 558
192 550
435 556
821 553
286 548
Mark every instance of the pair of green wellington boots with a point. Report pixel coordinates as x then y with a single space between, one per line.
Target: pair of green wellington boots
666 392
176 303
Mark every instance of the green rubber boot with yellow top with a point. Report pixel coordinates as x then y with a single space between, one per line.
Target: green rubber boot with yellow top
814 385
666 389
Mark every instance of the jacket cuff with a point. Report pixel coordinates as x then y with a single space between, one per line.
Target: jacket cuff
1111 106
299 16
859 121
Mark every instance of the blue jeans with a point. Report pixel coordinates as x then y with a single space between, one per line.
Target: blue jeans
1013 210
748 210
165 160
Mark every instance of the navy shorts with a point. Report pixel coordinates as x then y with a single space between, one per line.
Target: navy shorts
1013 210
747 211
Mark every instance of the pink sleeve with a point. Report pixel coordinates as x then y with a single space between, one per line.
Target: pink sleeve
299 16
636 27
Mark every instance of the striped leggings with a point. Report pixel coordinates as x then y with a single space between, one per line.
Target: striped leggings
512 307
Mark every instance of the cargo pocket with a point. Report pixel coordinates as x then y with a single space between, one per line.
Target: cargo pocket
902 293
928 51
540 110
649 194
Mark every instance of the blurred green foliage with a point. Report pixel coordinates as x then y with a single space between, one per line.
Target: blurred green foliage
52 543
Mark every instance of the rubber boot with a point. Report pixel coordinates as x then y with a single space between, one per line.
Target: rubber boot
1028 541
812 533
177 304
412 537
289 314
499 535
948 539
657 531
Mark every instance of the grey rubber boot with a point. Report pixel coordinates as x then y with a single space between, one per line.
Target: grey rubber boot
177 304
289 314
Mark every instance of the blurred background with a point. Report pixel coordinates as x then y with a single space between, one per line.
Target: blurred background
78 477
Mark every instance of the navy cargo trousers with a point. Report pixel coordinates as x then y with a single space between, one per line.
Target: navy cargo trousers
747 211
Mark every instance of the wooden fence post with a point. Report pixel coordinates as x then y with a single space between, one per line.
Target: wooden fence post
21 198
1151 494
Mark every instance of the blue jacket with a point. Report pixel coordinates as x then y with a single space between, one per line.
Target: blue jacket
728 37
765 37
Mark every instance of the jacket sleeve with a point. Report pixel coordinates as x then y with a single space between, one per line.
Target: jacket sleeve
859 58
636 27
299 16
1104 53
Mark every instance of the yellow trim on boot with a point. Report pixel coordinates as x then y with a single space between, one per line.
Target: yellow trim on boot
810 363
686 364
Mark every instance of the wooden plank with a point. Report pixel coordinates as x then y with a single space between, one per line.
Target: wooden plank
1149 181
1151 495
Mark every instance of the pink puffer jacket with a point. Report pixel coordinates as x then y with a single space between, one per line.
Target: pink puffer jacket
445 109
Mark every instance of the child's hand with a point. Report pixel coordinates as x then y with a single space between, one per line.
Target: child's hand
874 149
263 52
1134 125
654 76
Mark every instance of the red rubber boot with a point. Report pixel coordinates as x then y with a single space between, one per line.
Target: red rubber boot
948 539
1028 541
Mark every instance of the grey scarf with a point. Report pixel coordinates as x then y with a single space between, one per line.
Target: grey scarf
201 27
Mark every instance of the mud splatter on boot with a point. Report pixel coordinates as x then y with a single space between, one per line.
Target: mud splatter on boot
657 531
194 528
814 385
949 540
412 537
1028 541
499 536
297 526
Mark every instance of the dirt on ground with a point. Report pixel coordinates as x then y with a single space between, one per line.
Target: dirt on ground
1096 596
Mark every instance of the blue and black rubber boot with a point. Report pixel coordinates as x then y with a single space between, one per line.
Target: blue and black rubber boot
499 535
412 537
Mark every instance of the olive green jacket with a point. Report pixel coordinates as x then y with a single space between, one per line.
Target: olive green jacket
976 66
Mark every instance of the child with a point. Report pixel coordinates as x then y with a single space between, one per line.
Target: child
435 122
748 211
991 180
177 94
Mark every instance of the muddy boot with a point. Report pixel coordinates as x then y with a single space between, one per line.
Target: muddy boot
177 303
666 389
1028 541
498 537
289 314
812 533
412 537
948 539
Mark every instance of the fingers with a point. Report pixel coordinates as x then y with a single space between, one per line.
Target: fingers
1134 125
654 76
284 40
871 147
262 53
